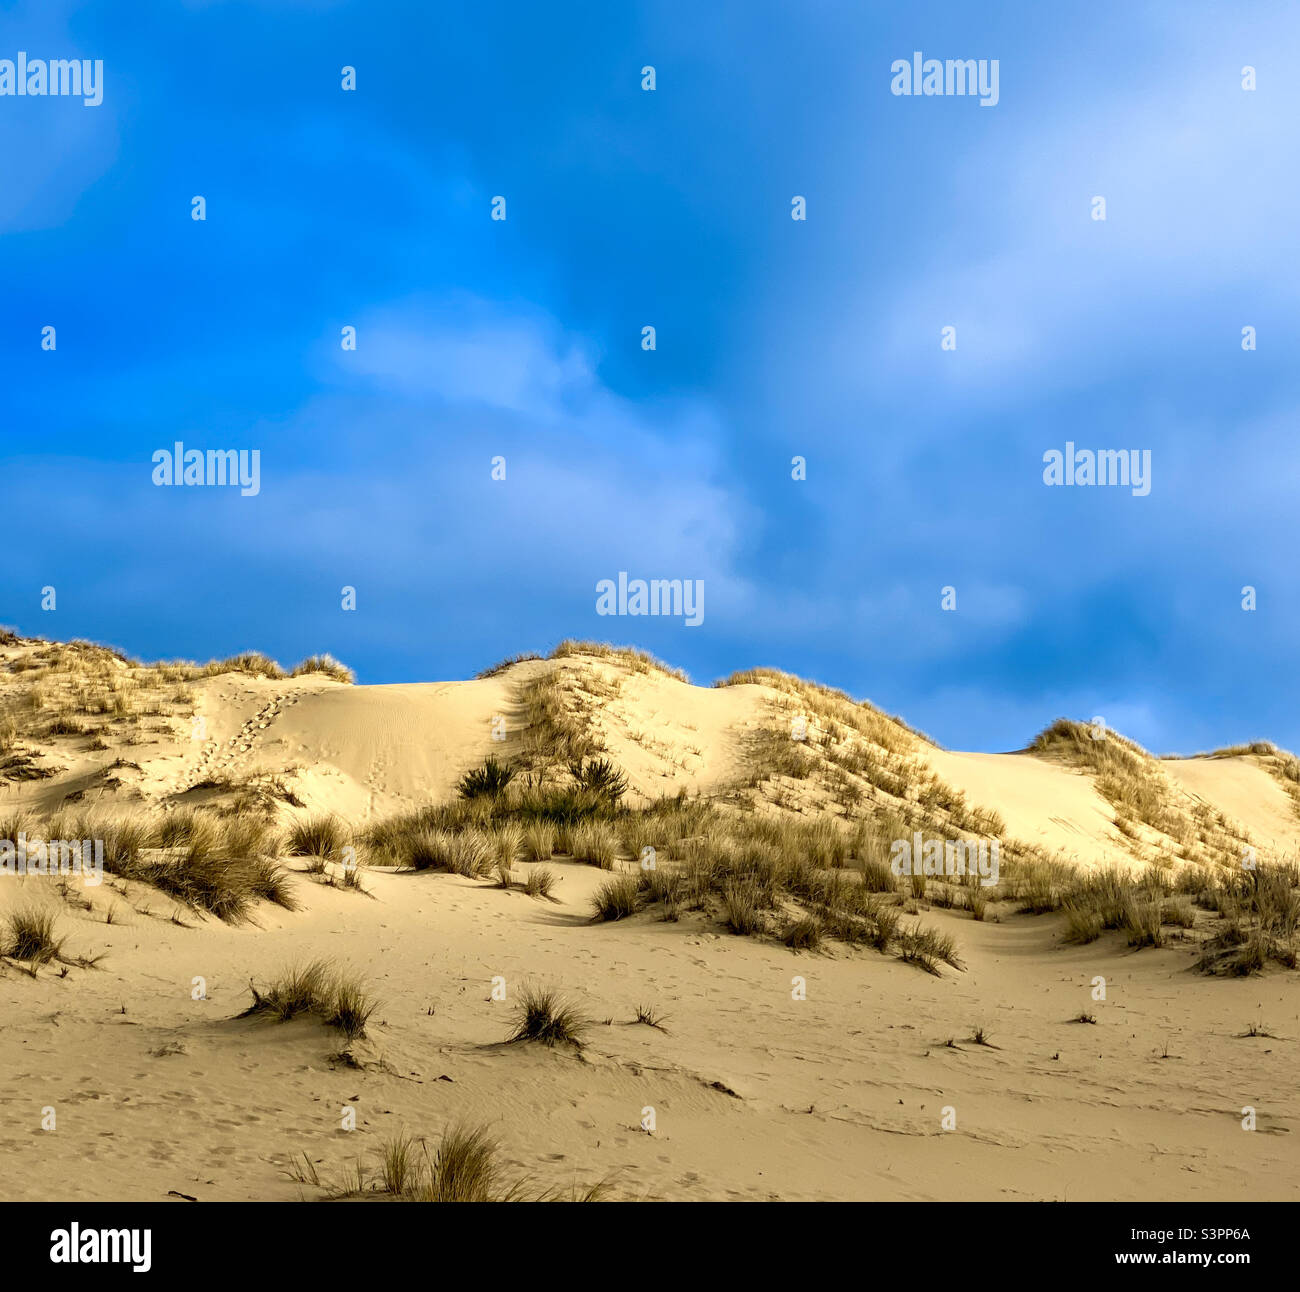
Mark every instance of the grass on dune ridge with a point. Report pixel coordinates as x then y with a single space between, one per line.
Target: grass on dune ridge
745 859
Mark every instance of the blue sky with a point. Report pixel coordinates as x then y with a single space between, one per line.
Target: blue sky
775 338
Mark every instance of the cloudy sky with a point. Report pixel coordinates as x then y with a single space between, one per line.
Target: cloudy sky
776 338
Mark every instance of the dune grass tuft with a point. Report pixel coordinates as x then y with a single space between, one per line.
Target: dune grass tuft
319 988
317 836
617 898
543 1015
29 935
327 665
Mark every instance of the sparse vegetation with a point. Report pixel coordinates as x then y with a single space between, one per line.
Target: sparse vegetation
29 935
251 662
1142 795
539 882
617 898
317 836
326 665
318 988
928 948
505 664
489 780
804 934
649 1017
543 1015
600 777
595 843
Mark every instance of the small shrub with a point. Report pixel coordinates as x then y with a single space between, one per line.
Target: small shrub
600 777
488 781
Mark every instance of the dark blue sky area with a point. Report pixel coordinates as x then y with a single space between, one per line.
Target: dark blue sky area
775 338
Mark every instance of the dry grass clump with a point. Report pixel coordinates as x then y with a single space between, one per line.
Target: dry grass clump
400 1170
1142 795
742 907
928 948
318 988
504 664
539 841
451 839
252 662
804 934
472 854
539 882
465 1167
543 1015
1260 920
327 665
638 661
218 865
617 898
745 870
1254 914
426 849
595 843
554 717
506 842
28 934
317 836
224 886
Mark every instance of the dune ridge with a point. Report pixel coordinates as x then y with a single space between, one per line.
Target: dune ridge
795 1016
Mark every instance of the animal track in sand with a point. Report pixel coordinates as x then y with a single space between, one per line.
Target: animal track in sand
216 759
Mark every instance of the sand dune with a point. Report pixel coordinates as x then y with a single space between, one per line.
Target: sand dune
1041 802
848 1088
1242 789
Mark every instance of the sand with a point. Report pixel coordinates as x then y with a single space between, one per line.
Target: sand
755 1094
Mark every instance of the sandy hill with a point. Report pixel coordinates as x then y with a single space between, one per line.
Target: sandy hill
88 727
819 1012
